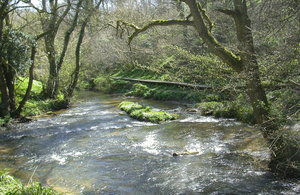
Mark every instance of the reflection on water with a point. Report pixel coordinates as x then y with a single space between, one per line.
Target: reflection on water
92 149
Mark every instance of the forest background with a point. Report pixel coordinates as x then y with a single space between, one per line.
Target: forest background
49 48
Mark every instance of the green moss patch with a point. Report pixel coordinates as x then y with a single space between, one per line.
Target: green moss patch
10 185
145 113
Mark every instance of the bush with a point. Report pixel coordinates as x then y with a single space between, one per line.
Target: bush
139 90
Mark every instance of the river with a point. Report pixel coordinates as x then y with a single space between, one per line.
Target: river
93 148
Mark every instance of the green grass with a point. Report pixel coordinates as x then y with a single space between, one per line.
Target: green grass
145 113
12 186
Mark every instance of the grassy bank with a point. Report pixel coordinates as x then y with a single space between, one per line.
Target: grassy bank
12 186
36 104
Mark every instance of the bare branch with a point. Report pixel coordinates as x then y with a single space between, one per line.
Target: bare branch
64 14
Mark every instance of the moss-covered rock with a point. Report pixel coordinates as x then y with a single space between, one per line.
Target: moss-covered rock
145 113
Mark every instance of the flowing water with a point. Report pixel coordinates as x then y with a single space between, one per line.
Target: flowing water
93 148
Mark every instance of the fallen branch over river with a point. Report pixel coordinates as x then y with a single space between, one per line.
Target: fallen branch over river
165 83
203 87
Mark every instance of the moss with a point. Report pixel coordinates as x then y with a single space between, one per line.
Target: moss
10 185
145 113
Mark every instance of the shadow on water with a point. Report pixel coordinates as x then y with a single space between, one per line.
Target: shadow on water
92 149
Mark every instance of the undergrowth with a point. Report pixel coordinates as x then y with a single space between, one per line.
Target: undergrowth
12 186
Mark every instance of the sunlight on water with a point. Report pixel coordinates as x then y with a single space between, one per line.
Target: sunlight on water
150 144
201 119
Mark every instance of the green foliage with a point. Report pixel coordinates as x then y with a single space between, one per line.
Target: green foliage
139 90
21 87
107 85
37 107
12 186
102 83
145 113
4 120
14 47
284 102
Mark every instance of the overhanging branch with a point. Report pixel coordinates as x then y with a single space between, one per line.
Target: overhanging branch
153 23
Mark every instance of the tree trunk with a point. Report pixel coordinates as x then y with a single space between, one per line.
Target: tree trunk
18 111
52 83
4 106
90 8
75 74
55 63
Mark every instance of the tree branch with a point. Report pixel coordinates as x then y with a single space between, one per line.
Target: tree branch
64 13
228 12
153 23
205 17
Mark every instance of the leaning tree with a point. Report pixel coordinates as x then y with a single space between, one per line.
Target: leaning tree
284 155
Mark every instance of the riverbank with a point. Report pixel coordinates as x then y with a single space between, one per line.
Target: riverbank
208 102
36 106
225 100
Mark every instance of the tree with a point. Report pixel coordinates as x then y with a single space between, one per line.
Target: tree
243 62
89 9
14 58
51 20
4 10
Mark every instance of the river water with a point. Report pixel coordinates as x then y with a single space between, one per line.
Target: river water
93 148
